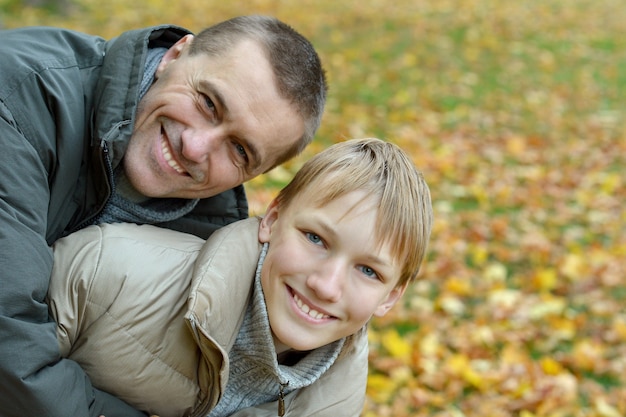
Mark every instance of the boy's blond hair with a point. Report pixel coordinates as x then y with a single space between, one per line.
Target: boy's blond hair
384 171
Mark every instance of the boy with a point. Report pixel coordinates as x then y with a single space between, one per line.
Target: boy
269 313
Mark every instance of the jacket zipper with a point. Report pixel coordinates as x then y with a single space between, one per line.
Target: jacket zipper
204 408
281 399
203 411
109 173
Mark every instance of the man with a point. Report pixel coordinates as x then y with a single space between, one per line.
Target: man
155 126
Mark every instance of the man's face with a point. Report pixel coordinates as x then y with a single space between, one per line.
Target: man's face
324 274
209 124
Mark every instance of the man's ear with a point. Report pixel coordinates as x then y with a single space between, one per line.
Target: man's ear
390 301
173 53
265 227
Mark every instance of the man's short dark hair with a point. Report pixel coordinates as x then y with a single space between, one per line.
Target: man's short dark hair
299 75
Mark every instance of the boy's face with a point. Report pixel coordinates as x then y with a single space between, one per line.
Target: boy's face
208 124
325 275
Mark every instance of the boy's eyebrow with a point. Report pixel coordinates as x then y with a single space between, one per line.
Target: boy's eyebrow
255 155
378 260
328 229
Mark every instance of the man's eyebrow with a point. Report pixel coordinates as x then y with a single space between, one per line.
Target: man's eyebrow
256 159
209 87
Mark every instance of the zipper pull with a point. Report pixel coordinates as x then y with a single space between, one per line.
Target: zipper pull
281 399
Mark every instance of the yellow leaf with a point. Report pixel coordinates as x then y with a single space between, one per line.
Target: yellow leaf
513 355
522 389
373 336
451 305
458 286
280 174
380 388
495 273
548 306
430 345
474 378
610 182
545 279
457 363
619 327
586 354
480 254
562 328
516 145
550 366
460 365
605 409
504 298
395 344
572 266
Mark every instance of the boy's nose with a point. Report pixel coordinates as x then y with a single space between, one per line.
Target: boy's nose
327 282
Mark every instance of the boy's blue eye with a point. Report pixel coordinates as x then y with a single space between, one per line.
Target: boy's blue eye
368 271
314 238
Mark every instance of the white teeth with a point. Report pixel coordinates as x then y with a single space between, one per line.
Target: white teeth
308 310
168 158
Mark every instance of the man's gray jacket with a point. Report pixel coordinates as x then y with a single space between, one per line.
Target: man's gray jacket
67 106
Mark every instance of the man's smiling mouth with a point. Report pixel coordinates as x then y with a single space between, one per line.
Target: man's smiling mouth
167 154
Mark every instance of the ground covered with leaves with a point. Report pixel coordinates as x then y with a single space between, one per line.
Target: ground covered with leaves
515 112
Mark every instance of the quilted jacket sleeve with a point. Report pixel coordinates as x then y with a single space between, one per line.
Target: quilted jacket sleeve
34 380
70 285
119 293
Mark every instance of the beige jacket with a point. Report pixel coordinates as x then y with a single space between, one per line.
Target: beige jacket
151 314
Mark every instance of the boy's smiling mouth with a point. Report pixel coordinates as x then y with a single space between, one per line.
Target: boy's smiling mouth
308 310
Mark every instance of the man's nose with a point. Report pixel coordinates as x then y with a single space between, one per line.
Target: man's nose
197 145
328 280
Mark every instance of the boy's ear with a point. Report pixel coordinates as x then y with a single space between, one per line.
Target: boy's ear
391 300
173 53
265 227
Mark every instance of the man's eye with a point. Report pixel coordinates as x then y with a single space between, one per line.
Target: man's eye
241 152
314 238
209 103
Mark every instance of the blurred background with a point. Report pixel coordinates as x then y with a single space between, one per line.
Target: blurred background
515 112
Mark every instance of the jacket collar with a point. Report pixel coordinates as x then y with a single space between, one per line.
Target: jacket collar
224 276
